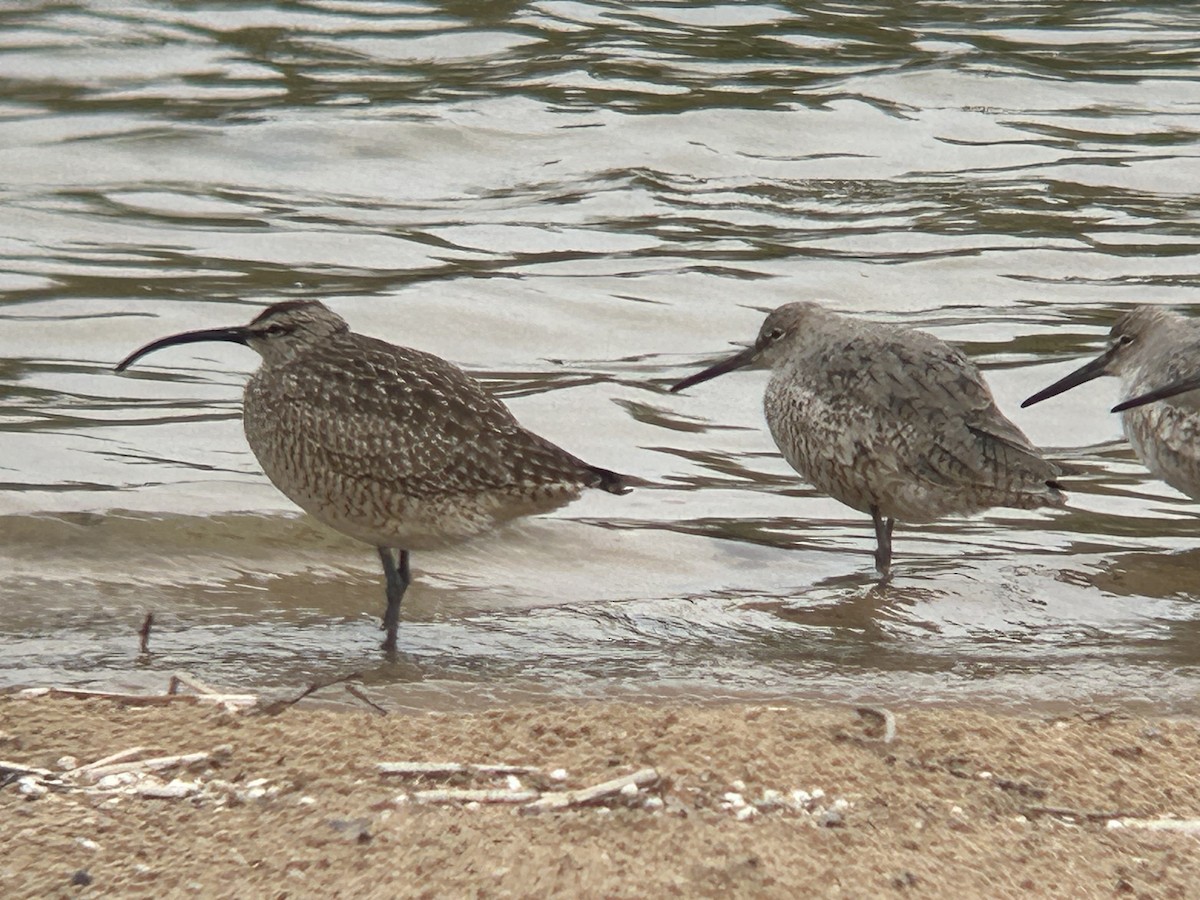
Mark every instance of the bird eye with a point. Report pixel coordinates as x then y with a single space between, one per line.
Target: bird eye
275 330
1125 340
774 334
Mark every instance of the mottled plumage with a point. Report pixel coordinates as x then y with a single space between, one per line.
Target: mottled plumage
389 445
1156 353
890 421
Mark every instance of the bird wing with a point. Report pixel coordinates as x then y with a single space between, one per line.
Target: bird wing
385 413
929 399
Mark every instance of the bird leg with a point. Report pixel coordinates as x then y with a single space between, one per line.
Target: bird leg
398 579
883 541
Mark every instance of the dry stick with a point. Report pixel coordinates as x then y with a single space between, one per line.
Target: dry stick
474 796
556 800
1089 815
158 764
206 693
176 790
121 756
279 706
184 679
137 699
116 696
144 633
434 769
1186 826
13 772
1033 792
357 693
10 770
411 769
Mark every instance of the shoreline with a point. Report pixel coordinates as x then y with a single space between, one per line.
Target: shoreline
746 799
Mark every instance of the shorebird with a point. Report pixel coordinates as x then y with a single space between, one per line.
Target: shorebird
889 421
389 445
1152 350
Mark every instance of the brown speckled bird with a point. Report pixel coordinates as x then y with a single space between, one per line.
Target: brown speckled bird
888 420
389 445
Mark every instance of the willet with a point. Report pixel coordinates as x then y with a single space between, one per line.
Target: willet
889 421
1151 349
389 445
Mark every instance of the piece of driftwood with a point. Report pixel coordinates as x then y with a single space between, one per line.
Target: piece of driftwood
556 800
183 679
1186 826
206 693
115 696
1066 812
122 756
175 790
232 701
452 795
445 770
357 693
11 771
156 764
275 707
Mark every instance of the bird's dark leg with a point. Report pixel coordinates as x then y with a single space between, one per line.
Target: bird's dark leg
883 541
397 582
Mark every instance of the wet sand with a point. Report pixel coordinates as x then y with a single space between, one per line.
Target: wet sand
750 800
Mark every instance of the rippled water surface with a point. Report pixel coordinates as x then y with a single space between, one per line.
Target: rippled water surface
581 202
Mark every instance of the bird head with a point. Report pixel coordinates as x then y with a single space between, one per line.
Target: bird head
278 333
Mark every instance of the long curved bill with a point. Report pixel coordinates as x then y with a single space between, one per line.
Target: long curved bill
234 335
1082 375
737 361
1162 393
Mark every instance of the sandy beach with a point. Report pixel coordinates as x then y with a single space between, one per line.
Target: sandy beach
742 800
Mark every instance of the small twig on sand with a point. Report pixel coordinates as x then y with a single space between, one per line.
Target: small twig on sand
442 770
115 696
206 693
1084 814
231 702
144 633
450 795
122 756
183 679
278 706
357 693
556 800
158 764
1186 826
1032 791
11 771
882 716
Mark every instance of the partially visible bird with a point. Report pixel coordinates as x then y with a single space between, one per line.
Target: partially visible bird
389 445
1150 347
889 421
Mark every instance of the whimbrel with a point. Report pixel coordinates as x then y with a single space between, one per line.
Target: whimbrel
389 445
889 421
1152 350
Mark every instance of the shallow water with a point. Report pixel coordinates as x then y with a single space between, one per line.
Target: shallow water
581 202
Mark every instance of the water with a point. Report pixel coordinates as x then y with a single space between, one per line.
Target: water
581 202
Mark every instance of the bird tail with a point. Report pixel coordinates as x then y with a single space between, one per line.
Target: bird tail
613 482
